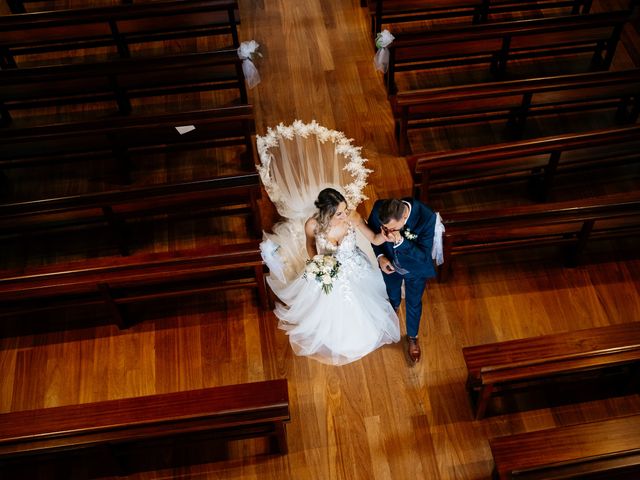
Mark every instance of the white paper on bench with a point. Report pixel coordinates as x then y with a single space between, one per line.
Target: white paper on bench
185 129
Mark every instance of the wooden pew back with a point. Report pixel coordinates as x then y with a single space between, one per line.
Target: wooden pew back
497 44
112 32
516 100
121 139
230 194
119 82
113 282
604 449
498 367
246 410
385 12
571 223
543 157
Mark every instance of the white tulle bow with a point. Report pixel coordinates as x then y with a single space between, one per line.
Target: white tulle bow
437 252
245 52
381 60
269 251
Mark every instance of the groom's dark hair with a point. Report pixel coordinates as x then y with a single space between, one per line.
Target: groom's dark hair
390 209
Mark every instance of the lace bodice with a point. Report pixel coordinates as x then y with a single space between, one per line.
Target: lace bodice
347 244
346 252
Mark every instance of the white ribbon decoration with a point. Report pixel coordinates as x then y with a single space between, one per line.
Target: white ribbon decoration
245 52
437 252
269 252
381 60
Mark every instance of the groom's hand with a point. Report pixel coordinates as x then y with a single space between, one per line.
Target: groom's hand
390 236
385 265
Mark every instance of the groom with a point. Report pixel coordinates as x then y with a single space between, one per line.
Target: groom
408 226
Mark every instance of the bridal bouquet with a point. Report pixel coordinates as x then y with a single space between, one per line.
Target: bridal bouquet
324 269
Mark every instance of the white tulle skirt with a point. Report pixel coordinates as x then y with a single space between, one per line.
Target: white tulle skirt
341 326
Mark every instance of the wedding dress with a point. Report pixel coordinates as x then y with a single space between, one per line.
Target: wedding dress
354 317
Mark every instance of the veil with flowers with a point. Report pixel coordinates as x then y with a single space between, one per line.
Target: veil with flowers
296 162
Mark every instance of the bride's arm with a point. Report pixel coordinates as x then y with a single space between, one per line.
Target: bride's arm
375 238
310 234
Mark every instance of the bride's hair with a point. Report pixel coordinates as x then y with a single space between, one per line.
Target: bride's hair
327 204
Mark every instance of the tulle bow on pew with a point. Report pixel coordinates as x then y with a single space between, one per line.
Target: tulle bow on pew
246 52
381 60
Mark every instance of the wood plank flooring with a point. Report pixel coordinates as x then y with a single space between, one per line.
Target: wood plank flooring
377 418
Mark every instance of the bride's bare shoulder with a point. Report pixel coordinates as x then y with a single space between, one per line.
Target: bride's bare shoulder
310 226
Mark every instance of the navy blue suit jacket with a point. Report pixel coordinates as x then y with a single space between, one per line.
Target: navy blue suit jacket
413 255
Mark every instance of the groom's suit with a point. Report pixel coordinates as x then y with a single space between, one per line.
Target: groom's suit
412 257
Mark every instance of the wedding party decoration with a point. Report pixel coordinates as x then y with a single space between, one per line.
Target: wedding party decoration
381 60
246 51
269 252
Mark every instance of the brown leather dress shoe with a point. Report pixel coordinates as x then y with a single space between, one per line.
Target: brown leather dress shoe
413 349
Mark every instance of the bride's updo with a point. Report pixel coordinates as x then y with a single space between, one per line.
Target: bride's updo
327 204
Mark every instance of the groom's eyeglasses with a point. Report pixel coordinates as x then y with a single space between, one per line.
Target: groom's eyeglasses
387 231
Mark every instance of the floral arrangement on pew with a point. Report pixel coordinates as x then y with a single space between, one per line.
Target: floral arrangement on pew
323 269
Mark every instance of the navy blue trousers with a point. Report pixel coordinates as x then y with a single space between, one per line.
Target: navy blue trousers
414 289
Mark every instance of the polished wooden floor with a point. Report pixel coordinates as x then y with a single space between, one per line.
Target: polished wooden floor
377 418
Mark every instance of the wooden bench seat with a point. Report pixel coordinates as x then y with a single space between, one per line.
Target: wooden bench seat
88 32
230 412
118 83
122 139
386 12
114 282
228 195
539 158
496 368
498 44
607 449
571 224
517 100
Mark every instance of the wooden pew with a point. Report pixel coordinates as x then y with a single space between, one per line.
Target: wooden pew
496 368
119 82
571 224
19 6
536 159
230 194
385 12
517 100
82 32
115 282
497 44
123 138
608 449
229 412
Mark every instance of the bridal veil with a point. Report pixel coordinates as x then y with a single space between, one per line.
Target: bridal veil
296 162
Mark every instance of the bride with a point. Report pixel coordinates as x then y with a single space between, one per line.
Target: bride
339 314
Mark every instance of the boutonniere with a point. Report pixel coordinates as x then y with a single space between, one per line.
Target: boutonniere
408 234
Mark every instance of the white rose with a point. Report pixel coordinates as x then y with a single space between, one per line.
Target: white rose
326 279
